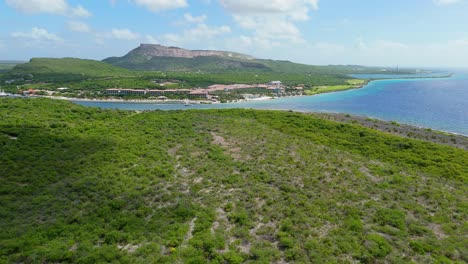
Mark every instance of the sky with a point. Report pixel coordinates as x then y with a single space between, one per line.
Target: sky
413 33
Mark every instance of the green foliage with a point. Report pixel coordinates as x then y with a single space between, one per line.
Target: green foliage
85 185
88 68
202 63
378 247
88 78
392 217
422 247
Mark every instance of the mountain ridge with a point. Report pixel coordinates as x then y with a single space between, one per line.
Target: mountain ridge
157 50
155 57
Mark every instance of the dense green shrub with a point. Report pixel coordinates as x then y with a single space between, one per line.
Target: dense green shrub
85 185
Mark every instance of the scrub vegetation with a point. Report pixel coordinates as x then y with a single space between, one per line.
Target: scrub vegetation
90 78
85 185
350 84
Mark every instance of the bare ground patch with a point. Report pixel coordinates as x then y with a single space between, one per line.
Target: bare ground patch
232 149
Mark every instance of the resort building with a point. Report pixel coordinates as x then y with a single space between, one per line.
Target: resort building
199 94
142 92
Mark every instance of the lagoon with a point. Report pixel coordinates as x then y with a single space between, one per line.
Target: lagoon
437 103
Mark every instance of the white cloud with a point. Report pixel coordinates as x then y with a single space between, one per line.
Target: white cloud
203 30
195 34
297 10
173 39
191 19
446 2
151 40
57 7
270 27
78 26
252 44
39 6
37 34
79 11
159 5
267 6
271 21
124 34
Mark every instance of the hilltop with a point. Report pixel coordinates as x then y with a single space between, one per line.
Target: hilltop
161 58
71 67
85 185
154 50
159 67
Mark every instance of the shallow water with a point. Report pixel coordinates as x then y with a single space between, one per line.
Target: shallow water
440 104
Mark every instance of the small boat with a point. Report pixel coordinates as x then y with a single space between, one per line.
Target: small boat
3 94
187 103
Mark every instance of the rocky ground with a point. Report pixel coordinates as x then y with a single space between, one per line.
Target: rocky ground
403 130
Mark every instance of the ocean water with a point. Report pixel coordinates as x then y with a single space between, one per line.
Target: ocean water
440 104
399 76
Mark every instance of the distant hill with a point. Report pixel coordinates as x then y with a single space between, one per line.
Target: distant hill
162 58
154 50
64 68
198 68
201 63
11 61
6 65
148 57
215 69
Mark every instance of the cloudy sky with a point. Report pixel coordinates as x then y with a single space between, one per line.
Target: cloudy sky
368 32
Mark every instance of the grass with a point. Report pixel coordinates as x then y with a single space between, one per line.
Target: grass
351 84
85 185
65 70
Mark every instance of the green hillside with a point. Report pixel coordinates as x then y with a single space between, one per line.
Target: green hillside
213 64
160 58
84 185
44 69
94 76
216 64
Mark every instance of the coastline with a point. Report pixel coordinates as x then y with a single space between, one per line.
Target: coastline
195 102
155 101
364 120
400 129
133 101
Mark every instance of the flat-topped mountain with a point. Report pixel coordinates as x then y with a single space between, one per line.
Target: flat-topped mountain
152 57
162 58
156 50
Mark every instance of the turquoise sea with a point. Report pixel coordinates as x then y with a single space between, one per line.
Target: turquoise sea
437 103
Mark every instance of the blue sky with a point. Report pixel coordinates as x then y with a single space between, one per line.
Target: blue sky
422 33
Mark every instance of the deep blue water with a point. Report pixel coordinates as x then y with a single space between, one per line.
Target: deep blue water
440 104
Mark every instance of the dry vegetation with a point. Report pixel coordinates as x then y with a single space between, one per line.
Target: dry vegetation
222 186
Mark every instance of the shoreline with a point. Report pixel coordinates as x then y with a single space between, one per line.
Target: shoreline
397 128
156 101
195 102
371 118
142 101
316 113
